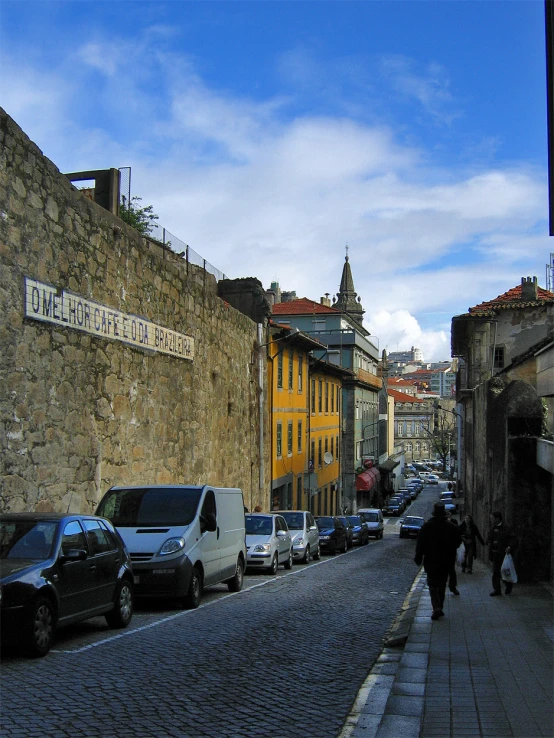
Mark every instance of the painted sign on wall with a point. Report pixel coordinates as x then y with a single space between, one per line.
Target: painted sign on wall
44 302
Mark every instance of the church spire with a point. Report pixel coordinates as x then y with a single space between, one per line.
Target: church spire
347 299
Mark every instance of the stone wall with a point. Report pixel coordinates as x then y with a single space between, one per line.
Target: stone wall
82 410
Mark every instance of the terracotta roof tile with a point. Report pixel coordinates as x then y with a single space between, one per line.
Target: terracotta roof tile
402 397
302 306
512 298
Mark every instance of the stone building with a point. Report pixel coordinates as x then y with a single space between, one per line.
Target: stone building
504 392
121 364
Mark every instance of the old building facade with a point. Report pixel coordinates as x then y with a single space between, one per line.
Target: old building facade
120 362
504 383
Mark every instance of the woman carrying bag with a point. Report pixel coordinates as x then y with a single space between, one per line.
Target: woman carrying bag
470 535
501 541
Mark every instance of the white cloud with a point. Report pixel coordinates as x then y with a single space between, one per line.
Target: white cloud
259 192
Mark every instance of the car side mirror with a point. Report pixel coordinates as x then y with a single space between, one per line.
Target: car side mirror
73 554
208 522
281 533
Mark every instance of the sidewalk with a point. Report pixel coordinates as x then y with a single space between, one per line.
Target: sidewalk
483 670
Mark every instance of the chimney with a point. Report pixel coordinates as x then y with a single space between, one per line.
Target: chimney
529 289
325 300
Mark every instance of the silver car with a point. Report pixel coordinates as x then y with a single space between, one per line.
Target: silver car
305 534
268 542
374 519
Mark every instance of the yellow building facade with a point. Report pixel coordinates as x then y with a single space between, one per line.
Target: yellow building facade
305 410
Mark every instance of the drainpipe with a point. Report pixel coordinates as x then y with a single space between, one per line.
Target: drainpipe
261 408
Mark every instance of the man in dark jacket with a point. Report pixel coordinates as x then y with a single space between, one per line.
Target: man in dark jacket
436 548
501 541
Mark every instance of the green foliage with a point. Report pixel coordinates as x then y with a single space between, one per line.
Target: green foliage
142 219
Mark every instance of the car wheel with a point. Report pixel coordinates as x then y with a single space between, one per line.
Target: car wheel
122 612
317 554
235 584
288 562
40 628
194 595
274 565
307 556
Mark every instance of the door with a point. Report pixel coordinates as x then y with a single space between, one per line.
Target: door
208 544
77 580
313 533
105 555
283 542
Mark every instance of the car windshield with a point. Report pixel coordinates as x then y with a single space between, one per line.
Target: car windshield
295 520
370 517
150 506
325 523
26 539
258 525
413 521
354 520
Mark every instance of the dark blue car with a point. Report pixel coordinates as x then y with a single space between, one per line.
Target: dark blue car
332 534
58 569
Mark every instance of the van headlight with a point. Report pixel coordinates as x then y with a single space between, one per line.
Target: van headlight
171 546
262 547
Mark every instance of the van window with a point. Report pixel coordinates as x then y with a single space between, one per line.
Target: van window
151 506
208 505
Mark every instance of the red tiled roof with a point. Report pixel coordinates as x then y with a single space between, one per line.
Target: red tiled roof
402 397
512 298
302 306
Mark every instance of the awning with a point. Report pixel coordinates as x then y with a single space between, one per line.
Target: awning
389 464
367 480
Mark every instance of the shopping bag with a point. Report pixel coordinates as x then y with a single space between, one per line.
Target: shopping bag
508 570
460 554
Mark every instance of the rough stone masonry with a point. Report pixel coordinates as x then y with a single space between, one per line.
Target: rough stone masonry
120 364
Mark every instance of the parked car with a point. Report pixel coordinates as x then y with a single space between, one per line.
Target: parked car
268 542
181 538
395 506
60 569
374 521
360 532
332 534
349 529
405 493
304 533
410 526
433 479
423 475
447 498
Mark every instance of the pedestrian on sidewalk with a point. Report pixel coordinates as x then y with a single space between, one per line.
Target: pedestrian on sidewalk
452 574
501 541
470 534
436 547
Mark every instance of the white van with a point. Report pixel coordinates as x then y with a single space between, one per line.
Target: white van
181 538
374 519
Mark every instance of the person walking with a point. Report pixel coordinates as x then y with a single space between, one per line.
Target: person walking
452 574
501 541
470 534
436 547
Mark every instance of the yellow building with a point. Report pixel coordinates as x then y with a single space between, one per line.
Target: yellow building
288 383
324 437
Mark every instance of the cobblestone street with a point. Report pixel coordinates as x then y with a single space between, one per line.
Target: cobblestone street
285 652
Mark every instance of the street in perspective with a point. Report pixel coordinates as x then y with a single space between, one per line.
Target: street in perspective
298 645
277 369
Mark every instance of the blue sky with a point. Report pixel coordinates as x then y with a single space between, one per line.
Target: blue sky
268 135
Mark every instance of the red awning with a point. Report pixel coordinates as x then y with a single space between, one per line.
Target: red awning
367 480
